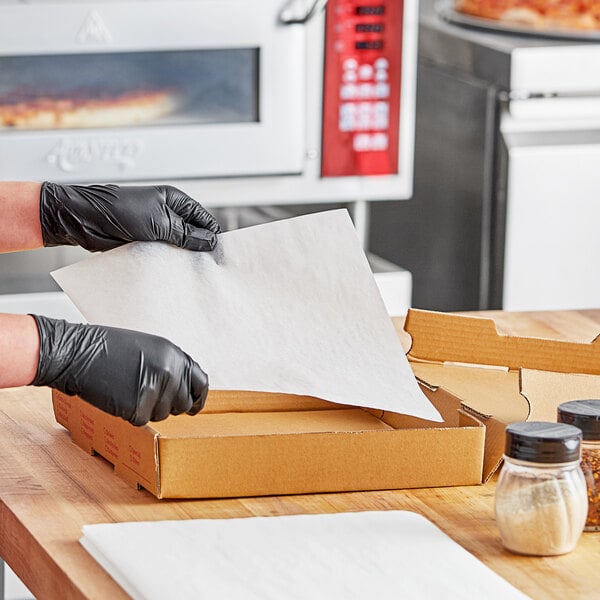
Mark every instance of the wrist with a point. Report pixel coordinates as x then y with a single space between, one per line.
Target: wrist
19 350
20 227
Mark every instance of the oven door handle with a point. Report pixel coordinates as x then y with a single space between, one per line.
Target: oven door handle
297 12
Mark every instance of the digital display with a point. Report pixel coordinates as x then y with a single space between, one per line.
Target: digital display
369 45
377 9
369 28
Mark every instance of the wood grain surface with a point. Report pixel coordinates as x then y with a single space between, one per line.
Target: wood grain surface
50 488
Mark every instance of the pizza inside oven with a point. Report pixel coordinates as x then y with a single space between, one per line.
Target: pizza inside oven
582 15
78 109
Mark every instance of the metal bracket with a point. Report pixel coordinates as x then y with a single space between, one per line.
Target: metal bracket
296 12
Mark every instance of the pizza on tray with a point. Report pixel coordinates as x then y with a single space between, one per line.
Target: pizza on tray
53 111
581 15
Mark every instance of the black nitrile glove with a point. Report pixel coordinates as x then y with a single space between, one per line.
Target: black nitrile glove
101 217
132 375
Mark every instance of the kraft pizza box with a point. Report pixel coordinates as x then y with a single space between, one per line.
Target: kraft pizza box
245 444
500 378
253 444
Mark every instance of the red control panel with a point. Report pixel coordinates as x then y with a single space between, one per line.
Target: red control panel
361 91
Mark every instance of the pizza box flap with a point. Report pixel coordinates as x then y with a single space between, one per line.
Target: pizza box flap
452 338
500 378
545 390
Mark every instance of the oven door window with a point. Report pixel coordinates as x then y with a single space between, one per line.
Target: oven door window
139 89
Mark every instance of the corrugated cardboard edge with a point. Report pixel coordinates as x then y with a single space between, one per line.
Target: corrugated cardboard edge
445 337
494 442
131 450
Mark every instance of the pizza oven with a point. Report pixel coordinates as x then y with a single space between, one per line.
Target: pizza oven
263 102
240 103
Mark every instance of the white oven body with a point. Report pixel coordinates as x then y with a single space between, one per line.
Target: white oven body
273 144
552 214
550 129
275 158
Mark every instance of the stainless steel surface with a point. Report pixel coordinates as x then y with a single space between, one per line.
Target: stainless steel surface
527 63
442 235
452 235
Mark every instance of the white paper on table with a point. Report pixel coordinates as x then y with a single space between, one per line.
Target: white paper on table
290 306
386 554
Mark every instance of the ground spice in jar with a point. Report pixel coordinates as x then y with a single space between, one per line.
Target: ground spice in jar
541 519
585 414
540 501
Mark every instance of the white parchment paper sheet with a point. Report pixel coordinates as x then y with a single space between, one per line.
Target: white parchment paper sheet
383 555
289 306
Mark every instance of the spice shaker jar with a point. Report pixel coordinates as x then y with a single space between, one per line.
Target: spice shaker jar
541 499
585 414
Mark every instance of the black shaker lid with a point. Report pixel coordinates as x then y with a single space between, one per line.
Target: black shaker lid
584 414
537 441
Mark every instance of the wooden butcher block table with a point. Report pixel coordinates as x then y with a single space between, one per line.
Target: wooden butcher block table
50 488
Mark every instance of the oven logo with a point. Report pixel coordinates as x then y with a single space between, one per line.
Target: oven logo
70 156
94 30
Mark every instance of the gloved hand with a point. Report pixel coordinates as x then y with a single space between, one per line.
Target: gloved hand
101 217
135 376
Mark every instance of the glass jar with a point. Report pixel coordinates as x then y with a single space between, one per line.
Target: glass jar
541 499
585 414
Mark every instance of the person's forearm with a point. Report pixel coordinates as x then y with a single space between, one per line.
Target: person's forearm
19 350
20 227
